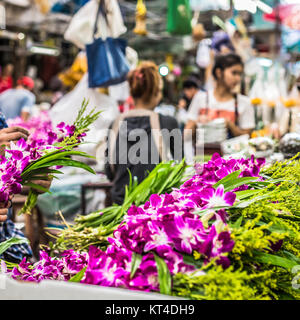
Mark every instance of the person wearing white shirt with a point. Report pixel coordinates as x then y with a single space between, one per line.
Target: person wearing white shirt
222 101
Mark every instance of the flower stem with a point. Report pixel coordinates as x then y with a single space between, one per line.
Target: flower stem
30 202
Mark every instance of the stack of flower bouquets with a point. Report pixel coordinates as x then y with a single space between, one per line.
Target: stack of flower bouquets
229 232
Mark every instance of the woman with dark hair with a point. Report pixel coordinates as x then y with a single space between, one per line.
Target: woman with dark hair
223 101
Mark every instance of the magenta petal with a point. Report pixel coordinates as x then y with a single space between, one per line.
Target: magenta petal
216 156
61 125
221 173
155 200
22 144
224 262
220 191
230 198
186 247
207 193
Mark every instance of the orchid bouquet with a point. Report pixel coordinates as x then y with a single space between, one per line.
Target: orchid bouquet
26 162
229 232
96 227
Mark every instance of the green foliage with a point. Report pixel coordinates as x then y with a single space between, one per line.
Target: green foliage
10 242
219 284
97 226
78 276
136 261
164 276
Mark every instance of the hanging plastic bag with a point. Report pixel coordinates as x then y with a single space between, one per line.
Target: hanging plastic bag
179 17
107 63
19 3
80 29
68 106
121 92
68 6
203 54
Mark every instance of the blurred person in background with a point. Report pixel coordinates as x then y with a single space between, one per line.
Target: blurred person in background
6 79
190 88
223 101
146 87
18 102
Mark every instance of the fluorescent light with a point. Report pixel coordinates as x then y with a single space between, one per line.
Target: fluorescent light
44 51
248 5
264 7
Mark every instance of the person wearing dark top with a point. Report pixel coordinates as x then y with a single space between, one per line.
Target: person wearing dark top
141 138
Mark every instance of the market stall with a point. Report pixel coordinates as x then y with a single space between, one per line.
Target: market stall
214 214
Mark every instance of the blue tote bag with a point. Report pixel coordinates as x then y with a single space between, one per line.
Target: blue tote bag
107 63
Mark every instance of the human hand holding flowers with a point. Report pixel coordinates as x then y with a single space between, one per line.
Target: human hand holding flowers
4 209
29 163
45 184
12 134
3 215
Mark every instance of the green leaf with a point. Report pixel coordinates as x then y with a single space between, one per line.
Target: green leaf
291 256
67 163
36 186
246 203
164 276
136 261
202 212
53 156
228 180
274 260
188 259
241 195
232 181
10 242
79 276
238 223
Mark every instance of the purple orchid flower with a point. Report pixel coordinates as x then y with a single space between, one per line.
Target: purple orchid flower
186 234
217 197
146 277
